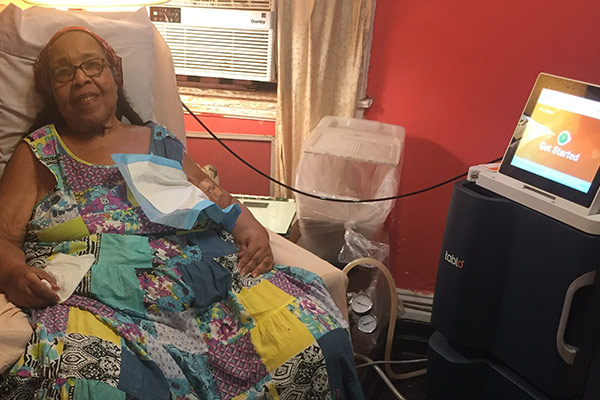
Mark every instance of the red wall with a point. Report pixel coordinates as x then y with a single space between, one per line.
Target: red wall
234 176
456 75
219 124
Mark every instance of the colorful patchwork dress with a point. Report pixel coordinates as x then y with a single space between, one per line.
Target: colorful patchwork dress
165 314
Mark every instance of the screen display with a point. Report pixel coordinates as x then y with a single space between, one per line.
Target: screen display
556 146
561 140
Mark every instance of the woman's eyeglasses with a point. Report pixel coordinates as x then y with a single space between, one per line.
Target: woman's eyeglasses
66 73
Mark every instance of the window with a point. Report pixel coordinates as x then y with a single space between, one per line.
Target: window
224 54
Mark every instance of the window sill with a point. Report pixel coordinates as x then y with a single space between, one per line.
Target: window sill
258 105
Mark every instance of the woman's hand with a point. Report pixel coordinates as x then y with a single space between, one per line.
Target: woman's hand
24 287
24 181
251 238
254 250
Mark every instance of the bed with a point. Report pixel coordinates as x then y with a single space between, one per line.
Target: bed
146 59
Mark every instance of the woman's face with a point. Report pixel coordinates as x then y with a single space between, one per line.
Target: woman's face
85 103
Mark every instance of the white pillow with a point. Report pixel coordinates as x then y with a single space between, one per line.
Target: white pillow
23 33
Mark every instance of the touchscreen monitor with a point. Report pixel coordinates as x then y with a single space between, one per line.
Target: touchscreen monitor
556 145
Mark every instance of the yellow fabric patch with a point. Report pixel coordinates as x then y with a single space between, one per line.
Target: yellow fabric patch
36 350
86 323
263 298
70 230
80 246
277 335
131 198
64 392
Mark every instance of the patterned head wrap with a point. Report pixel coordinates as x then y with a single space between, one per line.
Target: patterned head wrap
41 67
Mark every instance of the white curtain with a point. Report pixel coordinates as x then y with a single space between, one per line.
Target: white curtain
321 46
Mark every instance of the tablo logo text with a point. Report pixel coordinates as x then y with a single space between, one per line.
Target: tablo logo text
452 259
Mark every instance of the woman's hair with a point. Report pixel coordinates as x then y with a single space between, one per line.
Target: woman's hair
49 113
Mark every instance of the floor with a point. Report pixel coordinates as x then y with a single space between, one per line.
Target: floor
410 389
410 343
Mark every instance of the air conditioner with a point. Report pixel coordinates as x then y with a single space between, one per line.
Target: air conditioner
232 39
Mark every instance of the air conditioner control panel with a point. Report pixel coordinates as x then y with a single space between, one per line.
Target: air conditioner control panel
165 14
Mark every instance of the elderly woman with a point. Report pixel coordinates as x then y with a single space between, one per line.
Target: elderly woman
162 312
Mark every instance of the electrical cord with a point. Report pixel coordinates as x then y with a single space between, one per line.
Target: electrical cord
312 195
383 376
416 360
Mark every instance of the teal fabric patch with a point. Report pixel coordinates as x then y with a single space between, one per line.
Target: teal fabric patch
113 279
198 373
142 379
95 390
341 371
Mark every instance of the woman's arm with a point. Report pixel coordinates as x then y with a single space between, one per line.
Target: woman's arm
20 185
252 239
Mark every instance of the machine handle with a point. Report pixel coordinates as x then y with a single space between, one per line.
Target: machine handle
567 351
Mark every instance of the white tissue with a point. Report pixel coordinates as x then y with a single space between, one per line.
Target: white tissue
165 187
68 270
161 188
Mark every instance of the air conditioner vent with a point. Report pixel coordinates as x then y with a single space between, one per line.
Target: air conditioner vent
220 52
265 5
220 43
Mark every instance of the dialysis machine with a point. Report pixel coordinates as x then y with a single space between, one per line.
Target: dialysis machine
517 297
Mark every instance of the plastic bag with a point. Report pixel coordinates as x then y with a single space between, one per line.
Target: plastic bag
356 246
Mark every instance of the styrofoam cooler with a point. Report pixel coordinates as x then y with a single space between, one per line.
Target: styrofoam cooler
346 158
